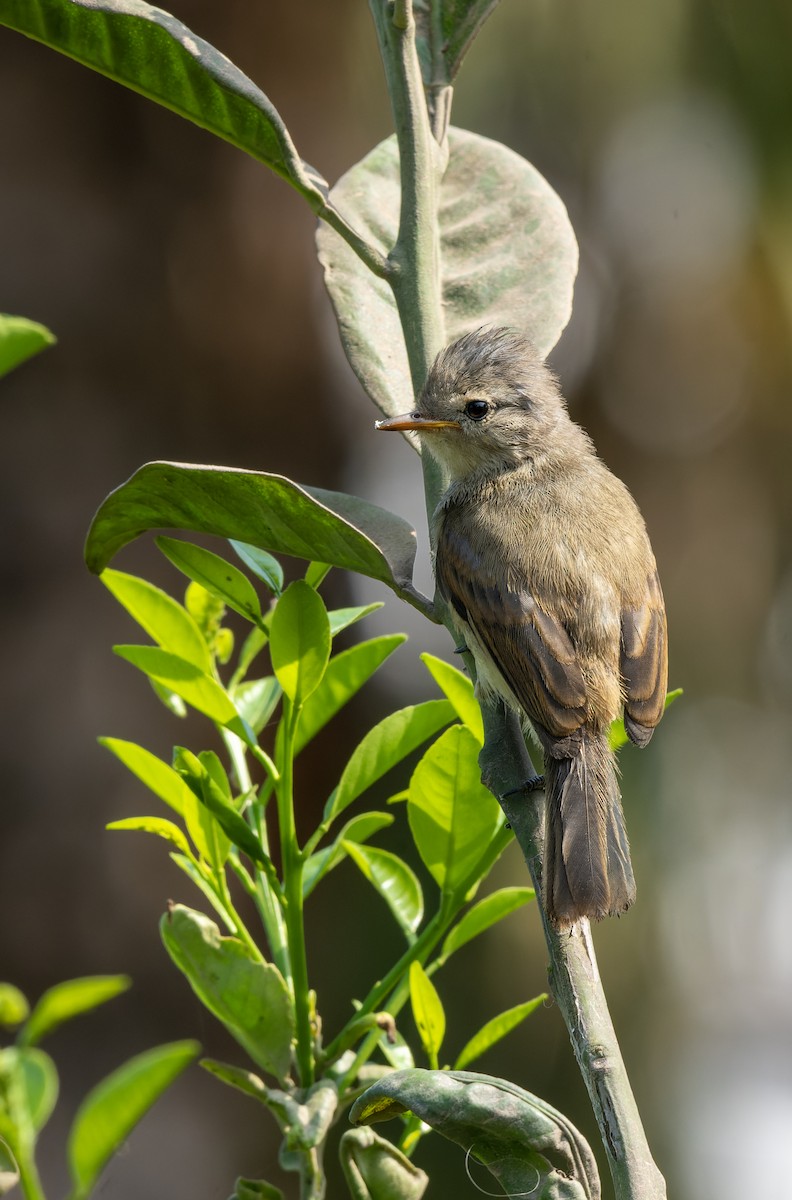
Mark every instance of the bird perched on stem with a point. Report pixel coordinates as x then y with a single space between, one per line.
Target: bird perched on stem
545 563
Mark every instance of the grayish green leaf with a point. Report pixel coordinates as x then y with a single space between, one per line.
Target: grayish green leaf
444 30
375 1169
515 1134
508 254
250 998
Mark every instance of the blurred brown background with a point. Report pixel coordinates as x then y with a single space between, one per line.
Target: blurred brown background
179 277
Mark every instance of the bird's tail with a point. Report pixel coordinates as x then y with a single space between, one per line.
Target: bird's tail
587 869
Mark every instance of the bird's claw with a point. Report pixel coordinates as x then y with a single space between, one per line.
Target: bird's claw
528 785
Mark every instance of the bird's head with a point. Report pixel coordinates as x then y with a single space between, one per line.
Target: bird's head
489 403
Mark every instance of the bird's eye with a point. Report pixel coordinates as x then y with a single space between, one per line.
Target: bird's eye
477 409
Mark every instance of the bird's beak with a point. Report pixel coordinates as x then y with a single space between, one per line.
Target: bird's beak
414 421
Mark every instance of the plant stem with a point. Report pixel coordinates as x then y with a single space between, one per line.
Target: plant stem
574 976
29 1179
292 860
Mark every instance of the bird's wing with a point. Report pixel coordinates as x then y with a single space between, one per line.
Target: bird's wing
530 649
644 662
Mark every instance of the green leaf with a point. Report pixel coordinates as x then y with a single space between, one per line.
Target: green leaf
525 1137
264 510
20 339
299 641
459 690
250 998
206 829
358 830
507 250
496 1029
345 675
214 574
156 825
453 817
252 646
160 778
151 52
163 619
256 701
185 679
14 1007
396 736
617 735
70 999
484 915
394 881
113 1108
427 1012
262 564
171 701
342 618
29 1092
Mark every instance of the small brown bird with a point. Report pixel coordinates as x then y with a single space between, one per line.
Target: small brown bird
544 561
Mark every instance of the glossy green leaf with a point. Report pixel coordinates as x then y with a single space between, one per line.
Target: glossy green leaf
14 1007
264 510
617 735
160 778
525 1137
199 690
453 817
507 250
113 1108
396 736
70 999
164 620
496 1029
256 701
262 564
206 829
358 830
156 825
342 618
148 50
29 1092
459 690
214 574
250 998
299 641
345 675
20 338
484 915
375 1169
428 1012
394 881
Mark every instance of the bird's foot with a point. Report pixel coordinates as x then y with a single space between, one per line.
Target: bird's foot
529 785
